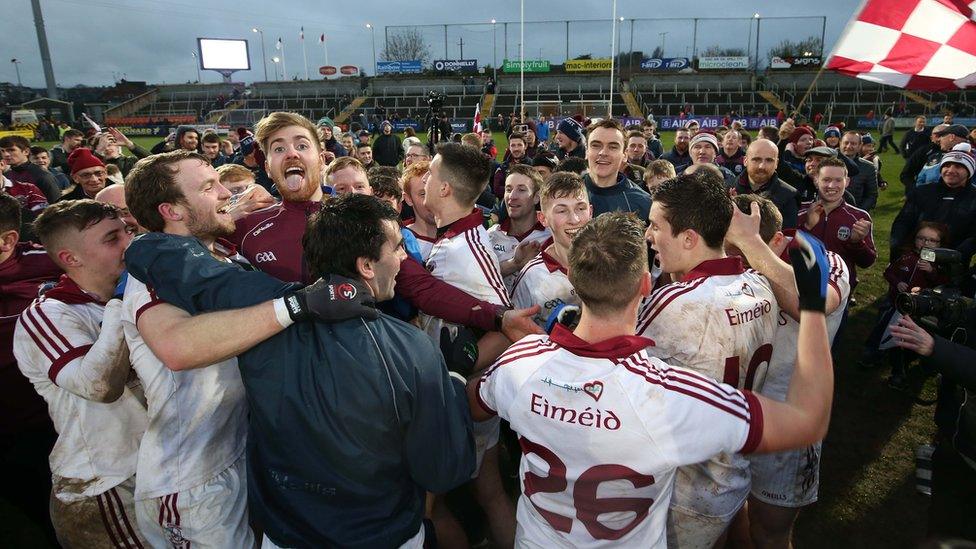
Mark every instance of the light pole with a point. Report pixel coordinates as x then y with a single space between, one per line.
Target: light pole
663 35
494 52
196 64
17 68
276 60
758 22
264 60
372 33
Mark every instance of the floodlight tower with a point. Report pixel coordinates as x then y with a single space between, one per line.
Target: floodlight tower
52 86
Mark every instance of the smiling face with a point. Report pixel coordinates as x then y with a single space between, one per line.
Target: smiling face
202 209
850 145
831 183
517 147
385 269
565 216
294 163
681 139
189 140
42 159
520 197
954 175
670 248
605 153
91 179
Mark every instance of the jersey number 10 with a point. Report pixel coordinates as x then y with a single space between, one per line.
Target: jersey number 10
762 355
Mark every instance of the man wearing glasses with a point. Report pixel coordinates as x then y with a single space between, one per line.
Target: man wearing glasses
414 154
88 174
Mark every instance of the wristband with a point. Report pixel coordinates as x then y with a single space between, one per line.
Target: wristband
282 315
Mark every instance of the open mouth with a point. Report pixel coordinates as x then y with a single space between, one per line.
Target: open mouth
294 178
572 232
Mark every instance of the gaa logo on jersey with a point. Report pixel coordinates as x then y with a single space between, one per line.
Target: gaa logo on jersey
843 233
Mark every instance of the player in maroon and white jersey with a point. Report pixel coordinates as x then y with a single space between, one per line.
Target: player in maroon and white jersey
717 319
462 257
31 198
782 482
518 238
544 281
69 344
603 424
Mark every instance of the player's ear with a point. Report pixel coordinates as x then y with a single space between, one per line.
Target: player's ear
646 284
364 266
690 239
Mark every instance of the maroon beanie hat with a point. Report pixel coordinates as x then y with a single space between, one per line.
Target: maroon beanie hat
82 158
799 132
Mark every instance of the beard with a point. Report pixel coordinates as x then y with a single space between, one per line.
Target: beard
209 227
312 183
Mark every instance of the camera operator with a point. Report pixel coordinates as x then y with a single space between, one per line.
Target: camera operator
954 460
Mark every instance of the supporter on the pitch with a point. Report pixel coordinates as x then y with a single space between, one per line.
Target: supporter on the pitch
572 164
462 257
543 280
760 177
518 238
609 189
832 137
347 175
923 155
246 195
404 443
782 482
654 147
544 164
69 344
115 195
693 127
795 146
637 151
928 166
15 151
599 380
569 139
30 199
364 152
349 143
515 156
844 229
88 172
41 157
732 156
679 156
108 147
387 150
384 182
717 319
807 191
416 153
186 138
657 172
210 147
26 433
864 185
704 150
916 138
70 140
951 201
328 139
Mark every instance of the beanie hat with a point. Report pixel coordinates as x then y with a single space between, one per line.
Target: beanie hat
799 132
831 131
325 121
571 128
546 160
960 154
866 139
81 159
706 137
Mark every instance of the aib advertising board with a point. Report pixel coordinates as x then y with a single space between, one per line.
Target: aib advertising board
665 64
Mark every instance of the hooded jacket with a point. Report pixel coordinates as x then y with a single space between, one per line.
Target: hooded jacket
625 196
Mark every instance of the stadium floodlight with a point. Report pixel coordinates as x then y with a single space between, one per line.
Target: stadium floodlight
264 60
196 64
225 56
372 32
494 51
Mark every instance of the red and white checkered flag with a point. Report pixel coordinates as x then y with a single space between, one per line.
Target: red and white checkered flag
913 44
477 118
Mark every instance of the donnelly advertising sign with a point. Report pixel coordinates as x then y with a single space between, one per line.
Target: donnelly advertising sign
399 67
791 62
455 65
665 64
531 65
724 62
712 122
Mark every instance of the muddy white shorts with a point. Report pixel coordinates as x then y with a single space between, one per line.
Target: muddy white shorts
786 479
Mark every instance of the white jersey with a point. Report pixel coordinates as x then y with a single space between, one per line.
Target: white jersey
97 442
504 243
719 321
543 282
461 257
197 418
783 362
602 429
424 243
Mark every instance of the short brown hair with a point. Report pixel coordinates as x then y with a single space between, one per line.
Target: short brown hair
561 185
527 171
229 173
770 219
10 214
701 204
342 163
659 168
608 123
465 169
415 169
210 137
607 259
18 141
269 125
516 135
832 161
152 182
69 215
636 133
471 140
383 180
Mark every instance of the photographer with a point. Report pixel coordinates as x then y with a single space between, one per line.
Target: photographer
954 460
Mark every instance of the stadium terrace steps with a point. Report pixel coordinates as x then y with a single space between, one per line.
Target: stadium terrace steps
350 108
633 107
133 105
773 99
919 99
215 117
487 105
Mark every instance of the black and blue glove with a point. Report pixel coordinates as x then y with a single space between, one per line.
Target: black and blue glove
810 269
332 299
120 287
565 314
460 353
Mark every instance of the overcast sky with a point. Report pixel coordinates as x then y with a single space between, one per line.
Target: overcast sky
97 41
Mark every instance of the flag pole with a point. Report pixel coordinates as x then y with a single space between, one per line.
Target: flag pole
613 48
304 54
806 96
522 62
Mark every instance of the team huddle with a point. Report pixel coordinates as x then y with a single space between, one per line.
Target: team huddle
321 371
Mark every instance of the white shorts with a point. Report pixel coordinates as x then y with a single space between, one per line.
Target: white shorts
786 479
213 514
416 542
485 438
107 520
689 530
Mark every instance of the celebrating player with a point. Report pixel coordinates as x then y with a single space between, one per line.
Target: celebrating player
603 424
717 319
516 240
